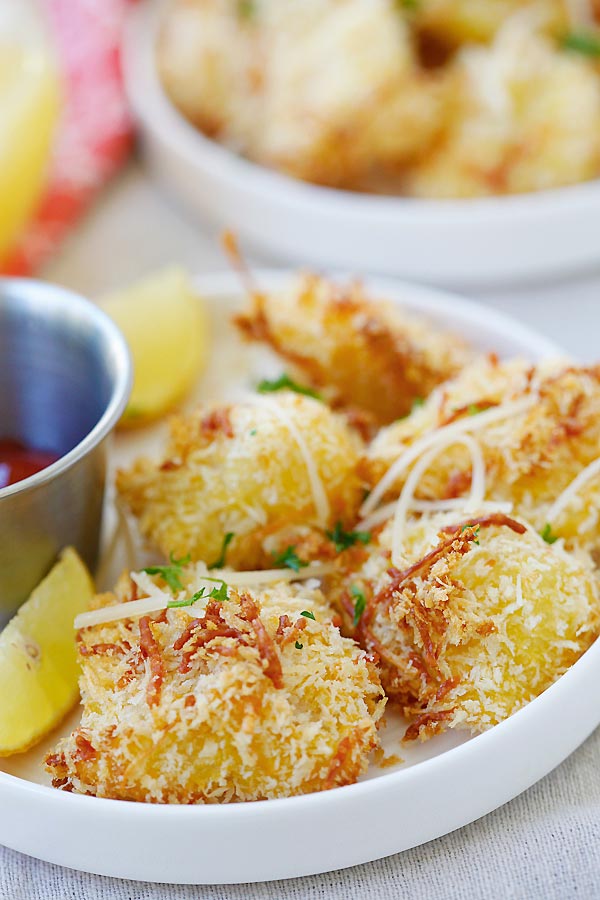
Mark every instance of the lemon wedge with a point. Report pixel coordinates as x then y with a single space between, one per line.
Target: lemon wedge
39 666
165 324
29 107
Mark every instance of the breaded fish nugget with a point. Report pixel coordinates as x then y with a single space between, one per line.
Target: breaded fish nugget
232 699
480 617
274 463
536 427
325 91
362 353
527 118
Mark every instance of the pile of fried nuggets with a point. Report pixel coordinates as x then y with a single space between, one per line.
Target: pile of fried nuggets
426 98
423 532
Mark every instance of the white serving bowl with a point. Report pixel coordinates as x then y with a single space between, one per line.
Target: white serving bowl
442 784
467 242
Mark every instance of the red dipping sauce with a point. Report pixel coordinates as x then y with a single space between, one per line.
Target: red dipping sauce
18 461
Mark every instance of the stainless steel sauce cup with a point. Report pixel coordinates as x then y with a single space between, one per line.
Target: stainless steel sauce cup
65 377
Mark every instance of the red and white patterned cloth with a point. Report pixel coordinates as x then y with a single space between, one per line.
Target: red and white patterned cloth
94 135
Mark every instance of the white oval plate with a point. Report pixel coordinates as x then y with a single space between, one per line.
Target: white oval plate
441 785
483 241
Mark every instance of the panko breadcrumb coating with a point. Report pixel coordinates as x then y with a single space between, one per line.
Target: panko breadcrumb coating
435 98
275 463
577 522
480 617
325 91
364 353
244 699
527 118
457 22
550 433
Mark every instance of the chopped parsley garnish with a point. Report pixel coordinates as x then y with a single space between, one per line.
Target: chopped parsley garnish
547 534
284 382
308 615
475 529
189 601
252 432
220 562
344 539
360 604
215 593
219 593
298 645
290 559
584 42
417 403
171 574
473 409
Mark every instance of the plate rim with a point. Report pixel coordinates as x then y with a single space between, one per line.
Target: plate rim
224 283
347 799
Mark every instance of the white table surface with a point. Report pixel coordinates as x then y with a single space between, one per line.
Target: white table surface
544 844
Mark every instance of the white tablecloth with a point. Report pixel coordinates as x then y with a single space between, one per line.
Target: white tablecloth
544 844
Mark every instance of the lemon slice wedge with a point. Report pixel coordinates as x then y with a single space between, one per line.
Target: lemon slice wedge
39 666
165 324
29 106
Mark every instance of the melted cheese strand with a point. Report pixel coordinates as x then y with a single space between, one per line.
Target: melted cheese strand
474 499
317 487
439 436
159 600
572 489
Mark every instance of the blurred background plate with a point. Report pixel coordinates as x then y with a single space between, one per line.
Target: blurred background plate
438 786
468 242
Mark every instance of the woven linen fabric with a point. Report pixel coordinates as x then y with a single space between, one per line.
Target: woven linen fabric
544 844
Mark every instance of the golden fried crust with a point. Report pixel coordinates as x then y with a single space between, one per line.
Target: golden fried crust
483 617
530 457
240 469
327 92
540 131
457 22
363 354
249 700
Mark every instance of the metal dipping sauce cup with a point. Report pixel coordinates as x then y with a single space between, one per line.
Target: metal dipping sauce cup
65 378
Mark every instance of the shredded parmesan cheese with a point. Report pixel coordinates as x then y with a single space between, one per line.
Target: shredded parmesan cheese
438 437
474 499
431 506
131 610
572 489
268 576
316 484
159 600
